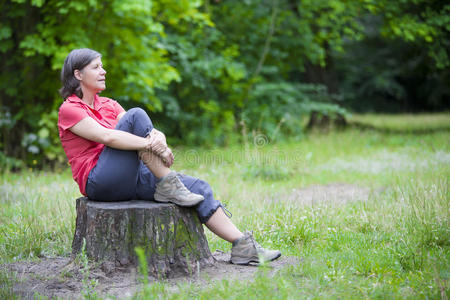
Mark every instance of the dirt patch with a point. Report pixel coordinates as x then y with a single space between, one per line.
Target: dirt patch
61 278
333 194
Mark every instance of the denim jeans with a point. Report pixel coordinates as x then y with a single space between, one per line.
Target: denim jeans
120 175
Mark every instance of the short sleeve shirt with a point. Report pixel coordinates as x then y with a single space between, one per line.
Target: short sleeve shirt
83 154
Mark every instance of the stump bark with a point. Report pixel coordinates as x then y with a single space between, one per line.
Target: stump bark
172 237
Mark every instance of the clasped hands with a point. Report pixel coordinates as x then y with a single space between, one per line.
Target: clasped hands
158 145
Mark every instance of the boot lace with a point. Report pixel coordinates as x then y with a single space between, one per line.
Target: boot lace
179 184
257 246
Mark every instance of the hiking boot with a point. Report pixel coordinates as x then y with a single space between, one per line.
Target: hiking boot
245 250
171 189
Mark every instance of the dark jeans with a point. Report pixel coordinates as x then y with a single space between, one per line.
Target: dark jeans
119 174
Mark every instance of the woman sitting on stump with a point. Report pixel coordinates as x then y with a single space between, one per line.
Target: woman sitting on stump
117 155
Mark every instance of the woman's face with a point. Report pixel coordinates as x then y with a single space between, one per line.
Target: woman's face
92 77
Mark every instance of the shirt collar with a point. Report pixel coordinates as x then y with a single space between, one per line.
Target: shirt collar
98 103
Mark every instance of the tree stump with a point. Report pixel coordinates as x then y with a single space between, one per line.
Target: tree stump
172 237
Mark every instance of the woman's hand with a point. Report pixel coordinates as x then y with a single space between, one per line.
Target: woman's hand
167 157
157 142
158 145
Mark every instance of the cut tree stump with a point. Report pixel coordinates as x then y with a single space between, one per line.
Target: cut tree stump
172 237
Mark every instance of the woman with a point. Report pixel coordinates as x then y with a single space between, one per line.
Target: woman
117 155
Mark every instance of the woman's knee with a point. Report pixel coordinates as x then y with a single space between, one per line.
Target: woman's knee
138 120
139 114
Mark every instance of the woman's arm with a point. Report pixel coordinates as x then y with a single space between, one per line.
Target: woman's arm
89 129
158 141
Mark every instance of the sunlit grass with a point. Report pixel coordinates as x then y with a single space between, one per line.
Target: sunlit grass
38 214
393 245
405 122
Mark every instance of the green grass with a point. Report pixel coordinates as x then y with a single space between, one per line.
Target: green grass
405 122
394 245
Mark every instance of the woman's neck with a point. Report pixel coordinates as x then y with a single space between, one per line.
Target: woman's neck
88 98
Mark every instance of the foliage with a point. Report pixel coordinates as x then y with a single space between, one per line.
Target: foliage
7 281
200 102
391 75
88 284
242 71
208 70
422 22
36 36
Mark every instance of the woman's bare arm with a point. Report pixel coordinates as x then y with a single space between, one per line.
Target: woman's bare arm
89 129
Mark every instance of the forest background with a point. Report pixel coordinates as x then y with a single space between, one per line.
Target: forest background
216 73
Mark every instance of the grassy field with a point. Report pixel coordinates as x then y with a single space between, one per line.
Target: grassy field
395 243
405 122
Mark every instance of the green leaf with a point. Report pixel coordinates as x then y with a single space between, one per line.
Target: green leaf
5 32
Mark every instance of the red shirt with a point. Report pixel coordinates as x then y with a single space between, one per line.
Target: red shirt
83 154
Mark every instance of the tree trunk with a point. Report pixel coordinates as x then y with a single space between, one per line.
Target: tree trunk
172 237
324 122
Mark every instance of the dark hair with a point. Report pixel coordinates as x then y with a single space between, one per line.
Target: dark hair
76 60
